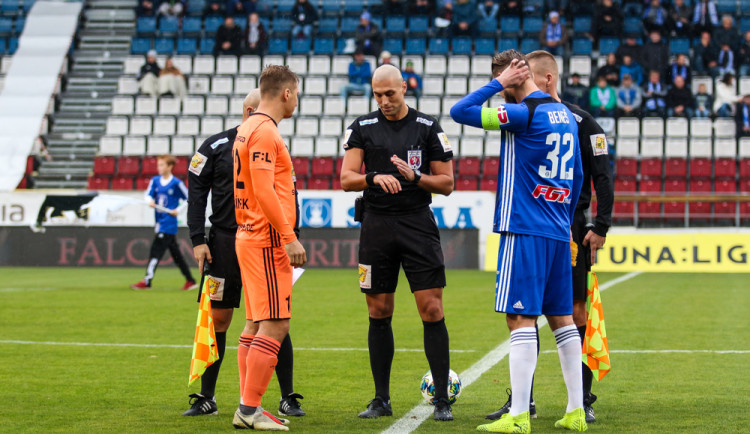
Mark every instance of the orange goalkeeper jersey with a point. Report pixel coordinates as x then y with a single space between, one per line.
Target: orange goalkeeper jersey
264 193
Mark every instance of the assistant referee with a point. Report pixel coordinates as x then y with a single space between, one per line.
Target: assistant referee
407 157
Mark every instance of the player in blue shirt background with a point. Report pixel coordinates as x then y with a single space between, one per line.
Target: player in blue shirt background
537 190
166 192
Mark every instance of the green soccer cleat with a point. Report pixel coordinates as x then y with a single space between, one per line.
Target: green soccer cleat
509 424
574 420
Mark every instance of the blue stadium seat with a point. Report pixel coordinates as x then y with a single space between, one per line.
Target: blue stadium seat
608 45
745 7
145 25
241 21
507 44
164 45
485 46
207 45
582 46
140 45
187 46
395 25
10 7
20 24
679 46
2 45
349 25
419 25
461 46
582 24
340 45
330 7
27 5
634 25
12 45
328 26
532 25
278 46
353 7
211 24
726 7
191 25
195 7
487 27
394 45
745 21
281 26
323 46
416 46
284 7
533 7
529 44
510 25
169 25
438 46
301 46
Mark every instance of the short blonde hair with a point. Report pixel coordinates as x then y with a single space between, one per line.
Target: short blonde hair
169 159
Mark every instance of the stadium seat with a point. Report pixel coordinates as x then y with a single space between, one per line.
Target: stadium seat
626 168
191 26
485 46
608 45
582 46
745 206
745 168
634 25
650 210
187 46
510 25
98 183
122 183
145 26
207 45
394 45
319 183
164 46
582 24
529 44
725 210
416 46
506 44
140 45
490 166
675 168
725 168
532 26
488 28
301 46
674 211
323 46
651 168
149 166
322 166
679 46
129 165
168 26
301 166
700 168
278 46
181 166
468 166
281 27
624 211
700 210
104 165
462 46
419 25
438 46
467 183
395 25
349 26
488 184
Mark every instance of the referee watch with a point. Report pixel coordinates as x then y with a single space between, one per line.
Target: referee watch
417 176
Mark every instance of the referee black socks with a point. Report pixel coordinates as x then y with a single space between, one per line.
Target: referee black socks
437 350
208 380
380 343
285 367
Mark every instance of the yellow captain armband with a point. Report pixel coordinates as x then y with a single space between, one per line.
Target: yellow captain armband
494 117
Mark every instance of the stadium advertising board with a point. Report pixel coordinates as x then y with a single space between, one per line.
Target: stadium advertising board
664 251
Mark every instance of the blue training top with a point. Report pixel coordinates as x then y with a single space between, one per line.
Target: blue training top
540 174
167 194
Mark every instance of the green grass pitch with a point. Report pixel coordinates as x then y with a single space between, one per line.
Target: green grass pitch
108 388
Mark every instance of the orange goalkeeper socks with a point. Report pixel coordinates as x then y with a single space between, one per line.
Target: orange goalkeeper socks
261 361
242 350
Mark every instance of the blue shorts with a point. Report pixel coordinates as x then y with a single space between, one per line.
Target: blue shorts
534 276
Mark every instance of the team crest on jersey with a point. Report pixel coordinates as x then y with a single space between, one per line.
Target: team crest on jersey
215 288
365 276
445 142
502 115
599 144
347 134
197 163
415 158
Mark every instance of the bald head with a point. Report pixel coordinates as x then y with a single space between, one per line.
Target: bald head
387 73
251 103
543 68
389 88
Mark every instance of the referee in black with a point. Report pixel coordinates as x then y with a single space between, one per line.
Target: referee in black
407 157
588 238
211 170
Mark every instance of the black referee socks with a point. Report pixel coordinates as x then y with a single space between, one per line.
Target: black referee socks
437 350
285 367
208 380
380 343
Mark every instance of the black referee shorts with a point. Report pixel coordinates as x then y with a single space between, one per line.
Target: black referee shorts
583 260
224 269
410 241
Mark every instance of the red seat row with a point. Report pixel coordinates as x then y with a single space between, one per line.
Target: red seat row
678 168
134 165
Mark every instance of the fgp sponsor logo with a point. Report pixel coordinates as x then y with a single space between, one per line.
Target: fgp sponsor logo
552 194
317 213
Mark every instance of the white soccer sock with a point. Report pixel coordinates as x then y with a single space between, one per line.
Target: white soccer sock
569 350
522 359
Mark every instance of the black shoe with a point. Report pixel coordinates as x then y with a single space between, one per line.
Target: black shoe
442 410
376 408
201 406
290 406
589 399
506 408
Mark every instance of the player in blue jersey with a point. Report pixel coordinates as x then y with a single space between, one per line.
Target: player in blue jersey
166 192
538 187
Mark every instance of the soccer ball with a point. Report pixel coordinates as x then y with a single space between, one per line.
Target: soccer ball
428 387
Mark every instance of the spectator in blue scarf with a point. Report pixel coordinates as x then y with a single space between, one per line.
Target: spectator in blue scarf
554 35
655 17
629 97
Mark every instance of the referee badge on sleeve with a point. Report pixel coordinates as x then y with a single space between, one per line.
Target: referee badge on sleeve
215 288
197 163
445 142
415 158
347 134
365 276
599 144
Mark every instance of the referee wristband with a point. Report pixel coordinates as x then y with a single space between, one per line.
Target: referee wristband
370 178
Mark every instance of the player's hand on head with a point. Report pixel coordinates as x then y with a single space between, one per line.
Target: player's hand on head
202 253
403 168
515 74
296 253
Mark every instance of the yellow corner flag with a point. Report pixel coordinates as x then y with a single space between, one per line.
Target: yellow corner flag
205 352
595 346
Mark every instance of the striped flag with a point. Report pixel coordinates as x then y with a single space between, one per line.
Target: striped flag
595 346
205 352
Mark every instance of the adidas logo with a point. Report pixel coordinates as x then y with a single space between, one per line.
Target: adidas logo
518 305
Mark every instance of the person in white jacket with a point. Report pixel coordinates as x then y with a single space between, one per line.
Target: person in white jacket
725 96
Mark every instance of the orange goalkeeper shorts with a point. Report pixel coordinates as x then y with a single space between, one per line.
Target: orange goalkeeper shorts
267 281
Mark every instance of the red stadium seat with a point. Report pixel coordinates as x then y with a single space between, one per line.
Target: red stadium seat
336 183
469 183
22 185
104 165
674 210
725 210
745 206
675 168
148 167
339 163
181 168
700 168
322 166
623 211
491 166
141 183
651 168
129 166
301 166
700 210
488 184
745 168
468 166
650 210
319 183
98 183
122 183
29 166
626 167
725 168
301 183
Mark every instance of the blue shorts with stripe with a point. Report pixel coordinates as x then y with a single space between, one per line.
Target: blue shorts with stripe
534 276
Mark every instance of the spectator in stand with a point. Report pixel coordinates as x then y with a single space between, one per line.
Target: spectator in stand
360 72
148 77
412 79
602 99
256 36
680 18
725 97
705 16
386 58
632 69
679 99
394 7
511 7
554 35
171 8
679 68
633 8
653 96
610 71
742 117
655 17
655 54
488 10
240 7
706 56
631 48
629 98
576 93
172 81
703 102
464 18
559 6
725 63
228 38
743 56
145 8
422 7
368 36
727 33
304 15
608 20
214 7
581 7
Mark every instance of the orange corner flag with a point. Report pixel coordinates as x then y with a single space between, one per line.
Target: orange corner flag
205 352
595 346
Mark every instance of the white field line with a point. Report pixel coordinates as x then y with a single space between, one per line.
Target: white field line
26 289
411 420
